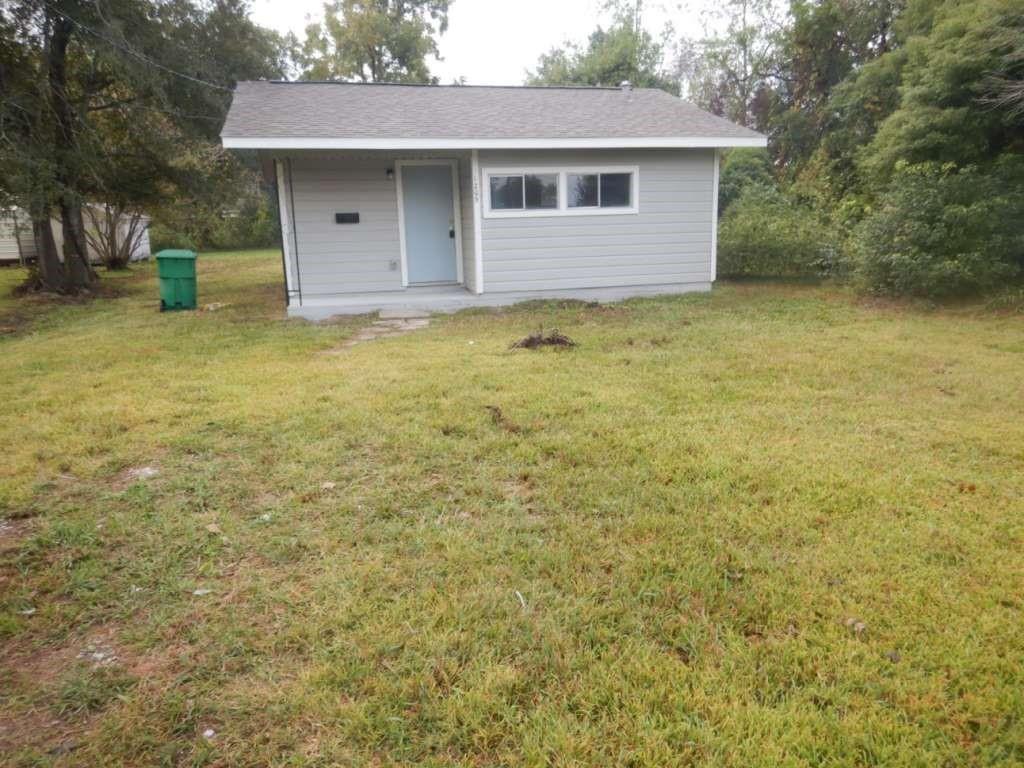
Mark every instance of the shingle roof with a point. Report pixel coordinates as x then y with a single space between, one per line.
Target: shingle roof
354 111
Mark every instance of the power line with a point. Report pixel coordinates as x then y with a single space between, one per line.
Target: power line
141 57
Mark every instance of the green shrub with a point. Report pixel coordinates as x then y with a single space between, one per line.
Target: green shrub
253 224
766 234
939 231
742 168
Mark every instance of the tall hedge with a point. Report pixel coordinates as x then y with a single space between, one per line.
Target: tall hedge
939 231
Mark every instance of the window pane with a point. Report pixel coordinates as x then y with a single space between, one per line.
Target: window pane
582 190
506 192
542 190
615 190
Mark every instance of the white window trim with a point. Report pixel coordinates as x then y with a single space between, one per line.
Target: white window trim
563 209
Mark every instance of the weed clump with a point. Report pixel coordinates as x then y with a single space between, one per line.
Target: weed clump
553 338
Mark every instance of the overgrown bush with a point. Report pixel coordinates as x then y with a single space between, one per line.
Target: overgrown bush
766 234
742 168
253 224
939 231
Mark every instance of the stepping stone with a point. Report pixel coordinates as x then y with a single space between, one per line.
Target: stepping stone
382 329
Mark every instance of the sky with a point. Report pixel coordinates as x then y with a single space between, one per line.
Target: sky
494 42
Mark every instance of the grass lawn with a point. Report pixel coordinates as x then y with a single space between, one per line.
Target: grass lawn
770 526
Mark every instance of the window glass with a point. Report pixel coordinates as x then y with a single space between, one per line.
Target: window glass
506 192
615 190
542 190
581 189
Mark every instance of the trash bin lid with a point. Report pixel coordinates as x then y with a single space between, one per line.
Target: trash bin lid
176 253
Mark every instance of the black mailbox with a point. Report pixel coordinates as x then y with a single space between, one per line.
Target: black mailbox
346 218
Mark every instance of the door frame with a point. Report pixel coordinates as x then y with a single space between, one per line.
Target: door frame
456 215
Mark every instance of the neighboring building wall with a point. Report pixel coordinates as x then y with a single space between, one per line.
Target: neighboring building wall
140 252
141 249
669 242
14 231
9 249
355 258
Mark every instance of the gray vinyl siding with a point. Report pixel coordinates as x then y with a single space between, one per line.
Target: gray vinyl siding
9 250
345 258
365 257
11 232
667 242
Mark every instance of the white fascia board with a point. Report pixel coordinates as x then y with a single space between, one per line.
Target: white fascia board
668 142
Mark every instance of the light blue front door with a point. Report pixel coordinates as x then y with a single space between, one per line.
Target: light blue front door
428 212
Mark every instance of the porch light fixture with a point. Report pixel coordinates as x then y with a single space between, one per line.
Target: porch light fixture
390 173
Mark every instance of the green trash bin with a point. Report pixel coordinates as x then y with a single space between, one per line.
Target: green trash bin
177 272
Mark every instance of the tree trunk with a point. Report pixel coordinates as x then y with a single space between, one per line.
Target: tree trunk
49 270
77 273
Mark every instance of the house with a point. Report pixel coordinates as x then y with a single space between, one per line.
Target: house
441 197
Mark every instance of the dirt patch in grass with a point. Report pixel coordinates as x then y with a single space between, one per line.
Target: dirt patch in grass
39 730
501 420
553 338
25 305
12 533
54 691
53 695
521 490
12 323
102 289
145 473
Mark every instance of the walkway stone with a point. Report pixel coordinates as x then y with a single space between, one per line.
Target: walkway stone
383 329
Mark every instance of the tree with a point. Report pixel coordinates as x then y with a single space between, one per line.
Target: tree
375 41
940 231
41 157
742 168
87 116
729 73
826 42
942 116
624 52
1003 89
822 162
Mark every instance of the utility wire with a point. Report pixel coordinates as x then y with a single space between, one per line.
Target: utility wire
131 52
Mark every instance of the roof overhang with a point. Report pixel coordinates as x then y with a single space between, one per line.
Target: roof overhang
669 142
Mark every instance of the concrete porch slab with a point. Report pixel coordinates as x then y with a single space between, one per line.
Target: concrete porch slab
421 302
395 313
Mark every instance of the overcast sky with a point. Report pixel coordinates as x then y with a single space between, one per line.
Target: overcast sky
494 42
